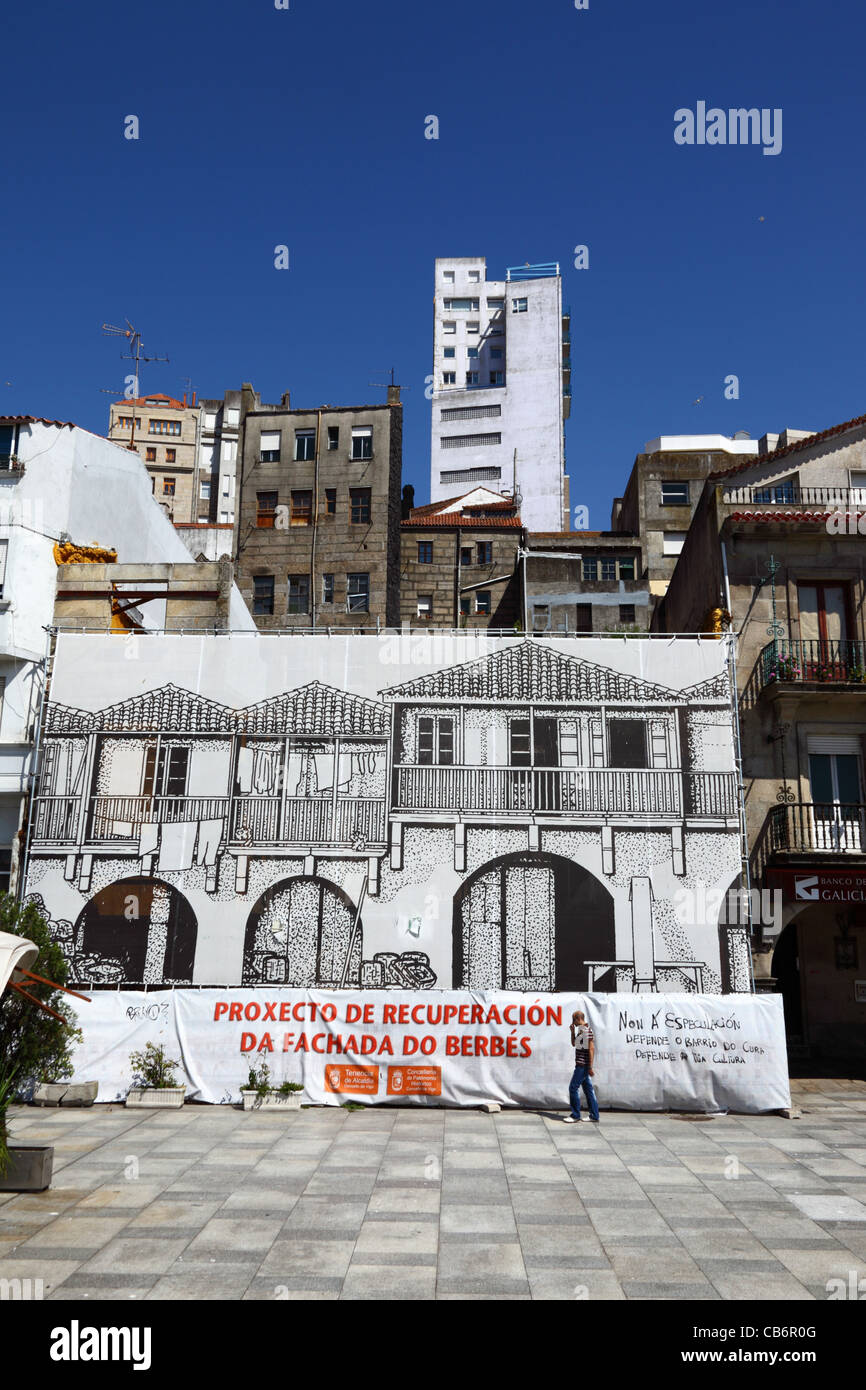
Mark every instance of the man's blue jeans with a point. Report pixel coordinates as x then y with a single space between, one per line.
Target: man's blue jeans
582 1078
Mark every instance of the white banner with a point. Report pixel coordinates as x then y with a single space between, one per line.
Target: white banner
653 1051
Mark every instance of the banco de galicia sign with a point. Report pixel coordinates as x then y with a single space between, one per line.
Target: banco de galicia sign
823 886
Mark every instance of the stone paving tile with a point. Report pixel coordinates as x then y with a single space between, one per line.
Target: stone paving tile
77 1233
575 1282
51 1272
214 1281
479 1219
321 1213
234 1234
671 1264
136 1255
393 1282
132 1195
395 1200
398 1236
671 1292
745 1286
829 1208
481 1267
303 1257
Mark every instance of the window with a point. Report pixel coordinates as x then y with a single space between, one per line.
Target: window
450 352
302 508
305 445
204 489
519 306
519 743
470 412
675 494
824 613
358 593
494 305
263 594
125 422
449 378
482 601
626 613
165 774
465 605
608 567
4 551
269 446
583 617
327 588
627 743
449 326
266 508
474 277
496 353
435 740
163 426
299 593
330 501
673 542
233 415
451 304
168 485
468 441
472 353
448 277
150 455
472 327
471 378
425 606
230 450
359 499
425 552
466 554
362 442
626 567
210 419
171 455
484 553
785 490
333 436
497 378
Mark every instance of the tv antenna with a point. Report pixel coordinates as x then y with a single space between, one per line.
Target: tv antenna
385 384
135 355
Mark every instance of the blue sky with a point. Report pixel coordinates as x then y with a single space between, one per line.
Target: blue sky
306 127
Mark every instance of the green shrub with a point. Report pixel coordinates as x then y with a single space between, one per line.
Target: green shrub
34 1046
152 1070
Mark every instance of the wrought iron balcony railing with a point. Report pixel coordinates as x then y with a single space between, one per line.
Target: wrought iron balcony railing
831 662
792 495
813 827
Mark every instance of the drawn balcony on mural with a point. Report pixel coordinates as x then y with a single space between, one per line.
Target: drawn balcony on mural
174 779
530 734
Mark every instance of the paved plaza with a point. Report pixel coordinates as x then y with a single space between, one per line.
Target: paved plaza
209 1202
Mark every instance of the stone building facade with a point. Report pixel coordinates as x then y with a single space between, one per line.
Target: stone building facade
584 581
164 433
459 563
318 515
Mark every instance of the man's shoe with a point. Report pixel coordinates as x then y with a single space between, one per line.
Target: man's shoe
595 1119
585 1119
570 1120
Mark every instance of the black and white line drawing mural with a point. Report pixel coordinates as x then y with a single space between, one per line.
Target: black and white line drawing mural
525 817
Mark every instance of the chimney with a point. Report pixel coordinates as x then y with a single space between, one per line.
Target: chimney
286 400
194 394
393 395
408 501
184 399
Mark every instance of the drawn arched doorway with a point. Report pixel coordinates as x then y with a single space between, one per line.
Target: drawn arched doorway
300 933
136 931
530 922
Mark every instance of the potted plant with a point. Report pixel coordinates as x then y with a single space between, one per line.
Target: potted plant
34 1043
154 1084
259 1094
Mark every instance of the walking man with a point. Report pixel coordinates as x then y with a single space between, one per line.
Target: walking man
583 1042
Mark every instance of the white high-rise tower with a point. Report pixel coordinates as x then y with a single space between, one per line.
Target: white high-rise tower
501 392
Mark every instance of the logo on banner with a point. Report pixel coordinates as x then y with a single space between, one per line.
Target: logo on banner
807 888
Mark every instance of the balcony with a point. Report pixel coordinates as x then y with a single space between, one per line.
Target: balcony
787 494
826 663
251 821
579 792
812 828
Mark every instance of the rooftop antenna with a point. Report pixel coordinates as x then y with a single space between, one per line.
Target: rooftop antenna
135 355
385 384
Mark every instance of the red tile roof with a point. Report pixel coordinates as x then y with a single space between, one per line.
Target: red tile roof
159 397
455 520
758 460
36 420
781 516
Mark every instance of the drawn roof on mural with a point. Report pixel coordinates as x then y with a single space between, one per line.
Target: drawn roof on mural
167 707
716 688
529 673
315 709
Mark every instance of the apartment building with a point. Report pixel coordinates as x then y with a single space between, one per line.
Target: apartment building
501 387
459 563
318 517
584 582
775 542
165 433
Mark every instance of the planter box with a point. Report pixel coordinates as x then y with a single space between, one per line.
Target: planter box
272 1100
168 1098
63 1093
29 1168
